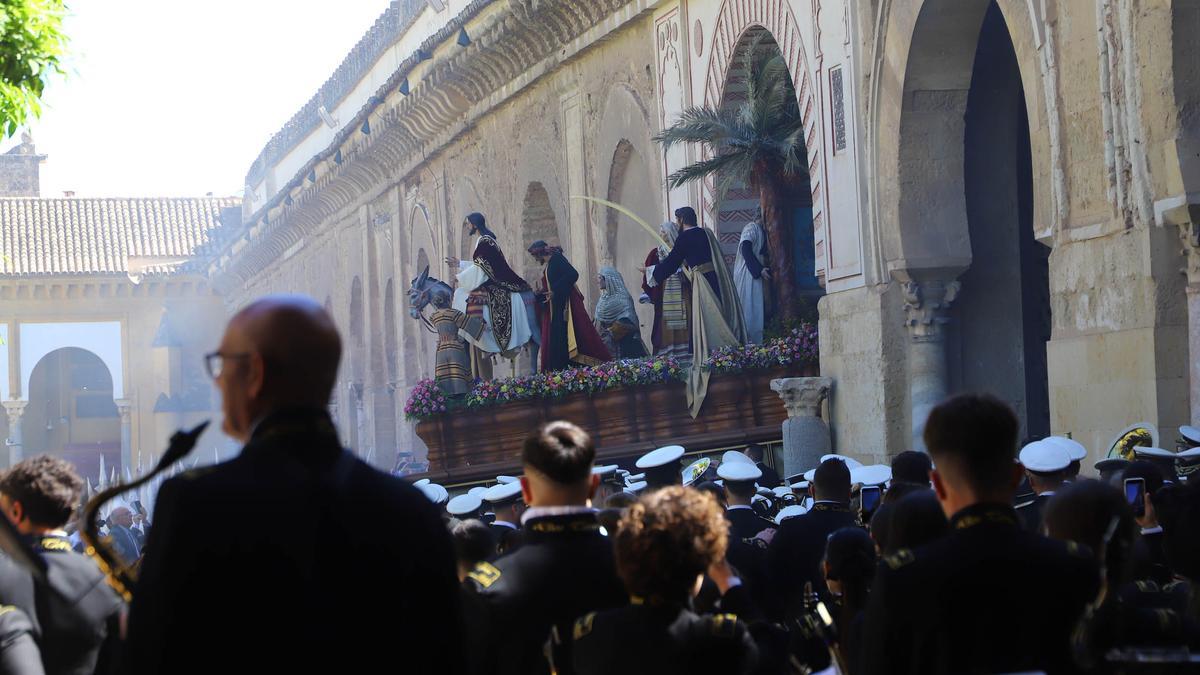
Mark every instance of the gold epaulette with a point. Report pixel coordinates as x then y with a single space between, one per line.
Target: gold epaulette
724 625
55 544
583 625
485 574
899 559
1146 586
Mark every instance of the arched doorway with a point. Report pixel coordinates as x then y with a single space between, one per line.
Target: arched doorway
72 414
975 283
1001 319
741 202
537 222
627 242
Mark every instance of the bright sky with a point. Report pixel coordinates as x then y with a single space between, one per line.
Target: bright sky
176 98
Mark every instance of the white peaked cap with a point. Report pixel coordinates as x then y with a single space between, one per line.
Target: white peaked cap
789 512
464 504
502 492
739 471
1044 457
660 457
874 474
1190 433
1074 448
735 456
848 461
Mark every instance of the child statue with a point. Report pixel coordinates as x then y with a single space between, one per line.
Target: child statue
453 364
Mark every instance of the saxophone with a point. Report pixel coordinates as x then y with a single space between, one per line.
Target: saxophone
121 575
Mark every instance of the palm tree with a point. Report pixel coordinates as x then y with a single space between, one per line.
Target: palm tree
760 142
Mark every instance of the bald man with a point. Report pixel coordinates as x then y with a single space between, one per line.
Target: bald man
295 556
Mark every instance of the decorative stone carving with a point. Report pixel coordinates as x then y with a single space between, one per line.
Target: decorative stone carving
805 434
925 306
802 396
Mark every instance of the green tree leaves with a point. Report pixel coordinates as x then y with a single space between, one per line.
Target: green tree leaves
32 45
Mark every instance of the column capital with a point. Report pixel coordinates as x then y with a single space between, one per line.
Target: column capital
926 304
124 406
802 396
15 407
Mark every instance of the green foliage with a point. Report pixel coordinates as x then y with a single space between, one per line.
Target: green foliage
764 132
31 48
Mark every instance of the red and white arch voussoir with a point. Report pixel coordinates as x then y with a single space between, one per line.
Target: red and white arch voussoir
735 18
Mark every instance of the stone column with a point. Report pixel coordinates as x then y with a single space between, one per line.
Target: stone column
15 410
125 408
1189 235
926 304
805 434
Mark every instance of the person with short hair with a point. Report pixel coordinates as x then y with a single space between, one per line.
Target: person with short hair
794 556
916 519
848 568
963 602
73 613
563 569
1046 467
664 546
473 544
911 467
770 477
1137 614
324 541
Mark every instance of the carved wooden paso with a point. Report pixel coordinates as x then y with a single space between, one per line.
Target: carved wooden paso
625 423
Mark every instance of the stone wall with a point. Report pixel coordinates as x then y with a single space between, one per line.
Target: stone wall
582 128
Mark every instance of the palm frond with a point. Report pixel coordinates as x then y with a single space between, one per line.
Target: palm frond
698 125
720 165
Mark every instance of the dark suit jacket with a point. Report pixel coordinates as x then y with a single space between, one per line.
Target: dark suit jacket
74 615
332 566
127 541
989 597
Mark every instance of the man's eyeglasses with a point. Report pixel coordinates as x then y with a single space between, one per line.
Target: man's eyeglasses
214 363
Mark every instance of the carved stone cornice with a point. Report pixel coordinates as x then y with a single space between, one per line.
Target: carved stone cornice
926 304
509 48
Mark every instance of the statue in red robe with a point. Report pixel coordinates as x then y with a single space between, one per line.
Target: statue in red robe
568 335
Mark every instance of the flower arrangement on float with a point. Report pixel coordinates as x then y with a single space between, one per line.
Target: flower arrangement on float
799 347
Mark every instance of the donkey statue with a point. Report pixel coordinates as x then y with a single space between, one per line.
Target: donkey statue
424 287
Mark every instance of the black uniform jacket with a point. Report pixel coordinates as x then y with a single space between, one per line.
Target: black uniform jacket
795 554
295 557
563 569
641 639
989 597
74 615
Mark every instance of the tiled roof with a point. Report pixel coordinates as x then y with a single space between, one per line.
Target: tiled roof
71 236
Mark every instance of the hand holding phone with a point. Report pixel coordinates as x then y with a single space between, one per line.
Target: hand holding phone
1135 494
869 499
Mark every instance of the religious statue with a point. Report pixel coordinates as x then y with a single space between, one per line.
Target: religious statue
669 337
748 277
568 336
489 288
616 317
453 363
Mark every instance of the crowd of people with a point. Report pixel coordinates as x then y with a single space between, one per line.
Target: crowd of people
297 557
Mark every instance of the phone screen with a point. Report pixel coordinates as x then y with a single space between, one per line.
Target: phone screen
870 498
1135 490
